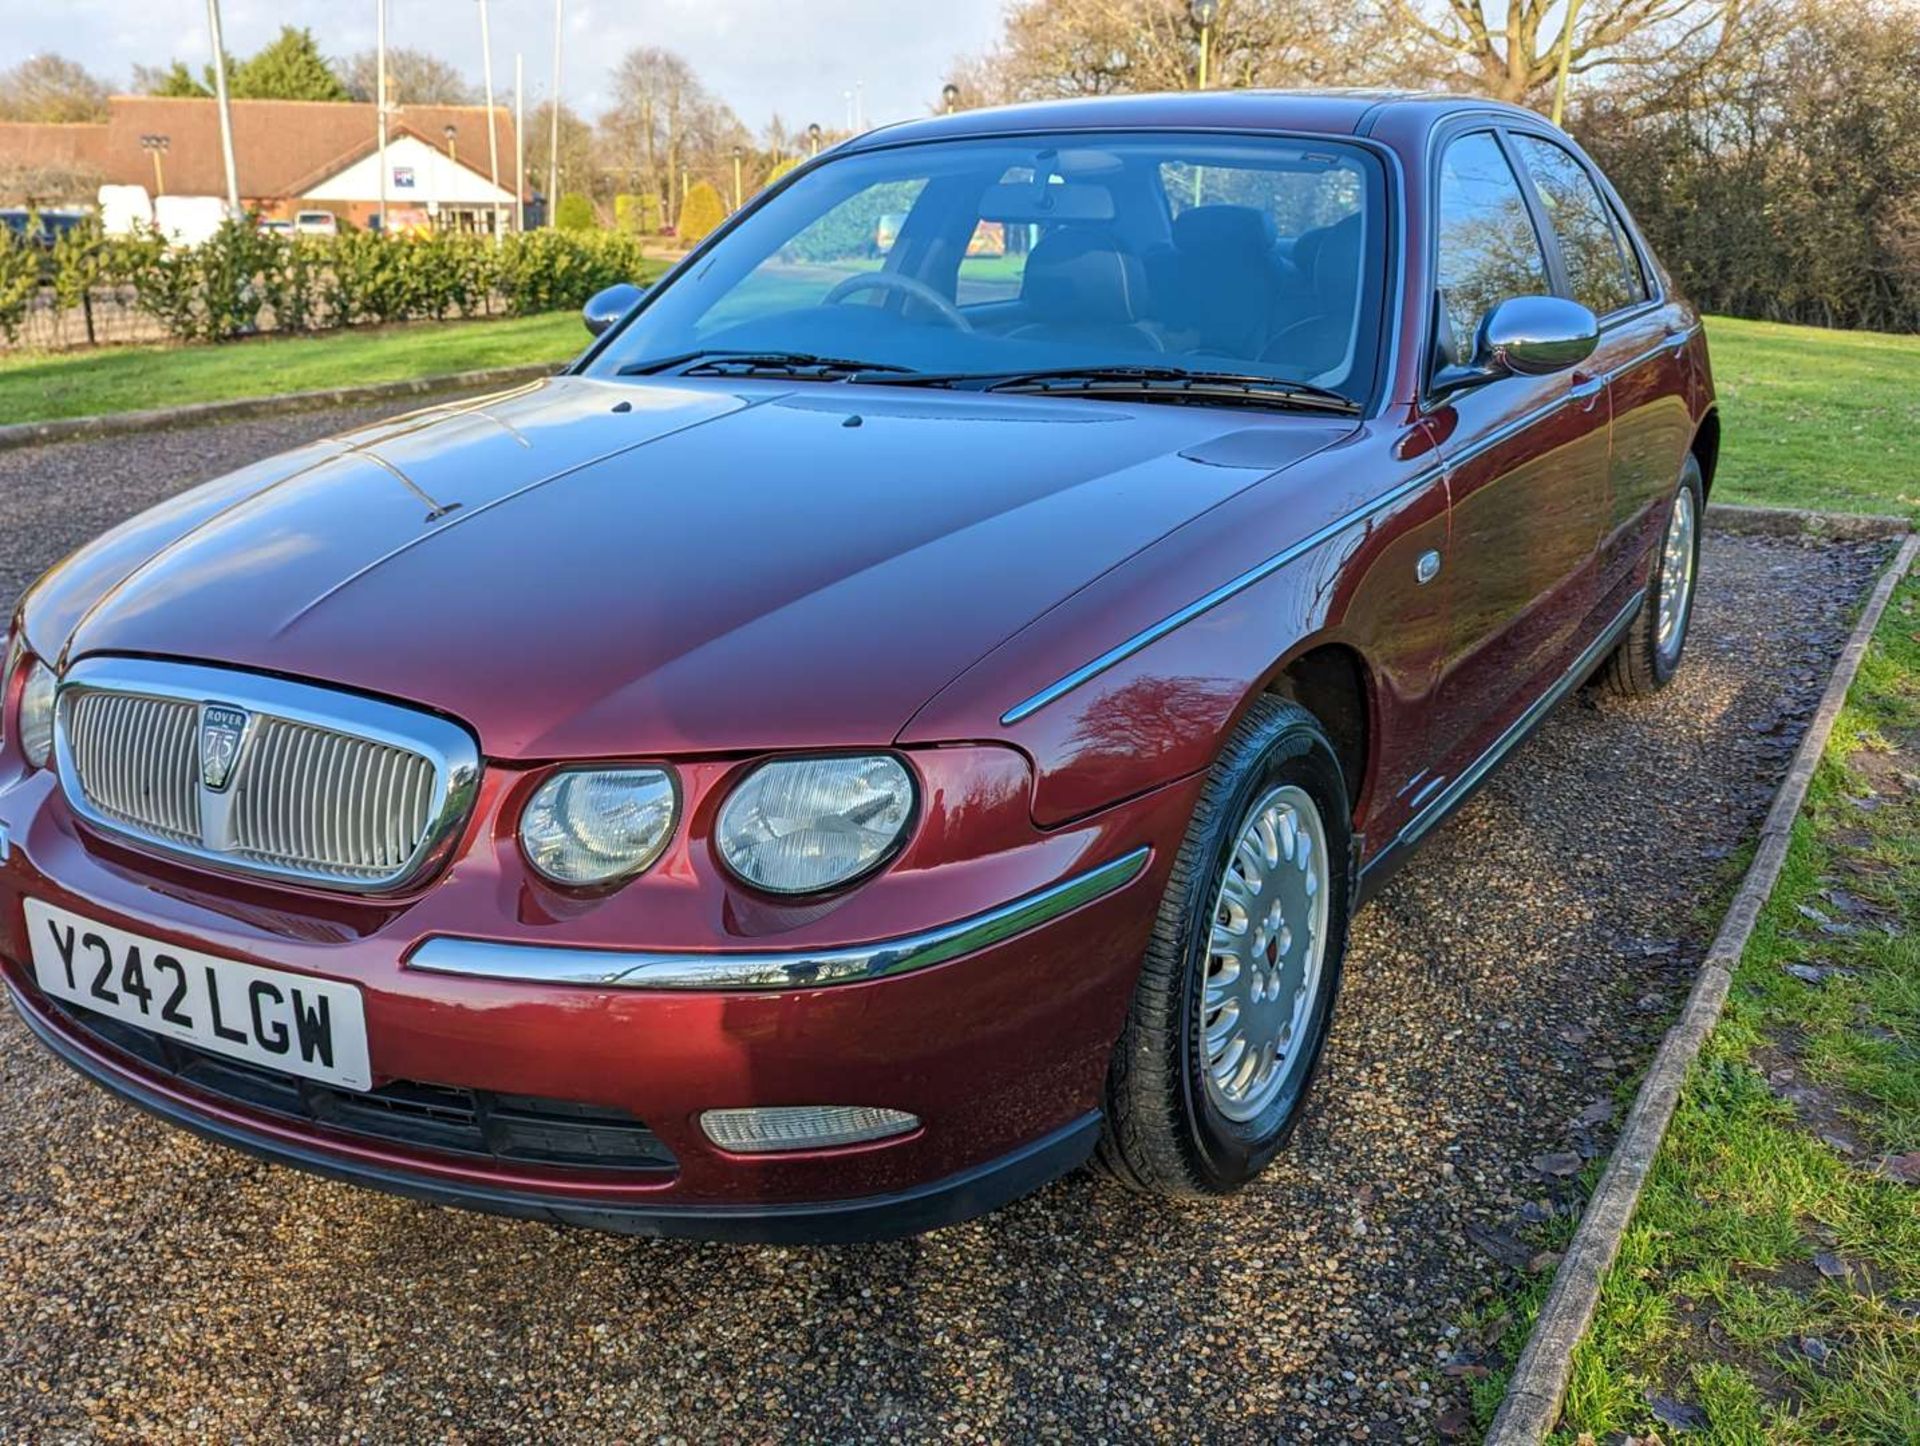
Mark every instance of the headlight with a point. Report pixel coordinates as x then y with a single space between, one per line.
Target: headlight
802 825
9 660
584 828
36 713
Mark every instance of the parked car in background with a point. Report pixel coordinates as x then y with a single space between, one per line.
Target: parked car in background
188 220
316 223
40 228
868 738
267 226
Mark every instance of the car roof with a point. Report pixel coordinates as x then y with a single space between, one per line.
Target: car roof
1331 112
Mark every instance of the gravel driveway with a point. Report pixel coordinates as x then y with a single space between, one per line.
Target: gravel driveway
1523 967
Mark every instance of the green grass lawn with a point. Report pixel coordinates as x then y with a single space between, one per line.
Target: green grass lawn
1812 418
36 386
1771 1276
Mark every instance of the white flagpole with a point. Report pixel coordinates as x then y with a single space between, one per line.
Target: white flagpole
493 141
519 144
380 106
553 142
226 108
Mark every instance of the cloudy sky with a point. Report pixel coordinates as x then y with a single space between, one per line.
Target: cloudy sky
796 58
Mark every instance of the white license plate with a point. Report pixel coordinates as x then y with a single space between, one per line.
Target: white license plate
295 1023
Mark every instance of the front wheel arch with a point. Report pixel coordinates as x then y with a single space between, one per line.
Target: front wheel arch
1332 682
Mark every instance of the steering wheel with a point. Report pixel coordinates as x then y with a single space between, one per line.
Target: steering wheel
907 285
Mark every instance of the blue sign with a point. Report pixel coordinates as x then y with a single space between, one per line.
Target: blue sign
403 178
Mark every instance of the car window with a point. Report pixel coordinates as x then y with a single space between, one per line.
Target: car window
1488 249
1582 223
853 239
1637 282
1310 192
1016 254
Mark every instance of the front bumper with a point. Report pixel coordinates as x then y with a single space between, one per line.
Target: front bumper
1001 1052
947 1201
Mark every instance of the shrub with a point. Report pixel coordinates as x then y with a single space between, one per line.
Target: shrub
78 262
700 213
222 287
574 213
19 281
295 288
556 270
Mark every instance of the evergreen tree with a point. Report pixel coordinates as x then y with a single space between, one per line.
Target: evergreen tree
289 67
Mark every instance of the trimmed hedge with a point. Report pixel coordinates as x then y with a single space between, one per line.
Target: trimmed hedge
574 213
701 213
240 280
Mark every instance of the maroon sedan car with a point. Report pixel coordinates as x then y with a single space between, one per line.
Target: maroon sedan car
911 708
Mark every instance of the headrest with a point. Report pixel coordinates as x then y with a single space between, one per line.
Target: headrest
1081 278
1330 254
1217 230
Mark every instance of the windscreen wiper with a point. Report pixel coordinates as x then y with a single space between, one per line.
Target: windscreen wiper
1141 383
801 365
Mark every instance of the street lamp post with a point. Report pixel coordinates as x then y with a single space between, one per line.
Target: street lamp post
226 109
736 178
950 93
1205 12
813 138
156 146
446 221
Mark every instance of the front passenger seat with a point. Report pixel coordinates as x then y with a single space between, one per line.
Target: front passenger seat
1079 287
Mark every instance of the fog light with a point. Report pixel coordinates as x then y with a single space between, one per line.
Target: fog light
802 1127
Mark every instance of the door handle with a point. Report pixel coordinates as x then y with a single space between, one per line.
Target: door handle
1587 387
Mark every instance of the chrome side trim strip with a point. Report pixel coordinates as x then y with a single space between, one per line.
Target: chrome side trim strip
793 969
1206 604
1146 637
1516 731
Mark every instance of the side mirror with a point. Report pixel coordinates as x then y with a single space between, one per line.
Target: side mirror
1527 336
604 308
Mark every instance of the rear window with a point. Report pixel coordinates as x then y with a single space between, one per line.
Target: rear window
1590 243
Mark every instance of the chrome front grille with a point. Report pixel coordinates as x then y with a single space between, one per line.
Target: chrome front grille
308 799
136 757
260 775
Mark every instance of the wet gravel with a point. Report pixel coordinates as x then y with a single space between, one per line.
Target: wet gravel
1520 969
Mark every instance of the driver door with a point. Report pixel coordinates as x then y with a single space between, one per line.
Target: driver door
1527 469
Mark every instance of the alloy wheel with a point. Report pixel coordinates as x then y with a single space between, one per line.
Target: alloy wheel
1265 954
1676 578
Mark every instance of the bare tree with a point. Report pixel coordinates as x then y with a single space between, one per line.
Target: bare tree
666 128
51 88
579 168
1511 49
1098 47
413 78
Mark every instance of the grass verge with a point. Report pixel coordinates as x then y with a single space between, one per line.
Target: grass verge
43 386
1768 1287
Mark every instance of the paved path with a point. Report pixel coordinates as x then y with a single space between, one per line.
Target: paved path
155 1288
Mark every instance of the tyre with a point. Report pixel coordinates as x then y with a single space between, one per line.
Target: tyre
1236 991
1649 654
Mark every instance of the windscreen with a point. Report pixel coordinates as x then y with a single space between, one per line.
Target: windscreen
1251 255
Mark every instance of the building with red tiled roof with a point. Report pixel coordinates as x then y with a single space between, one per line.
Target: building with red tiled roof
289 155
